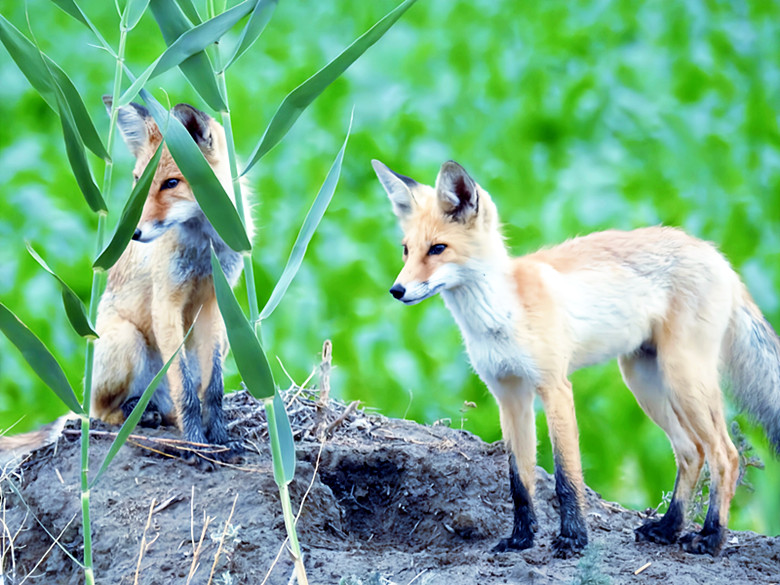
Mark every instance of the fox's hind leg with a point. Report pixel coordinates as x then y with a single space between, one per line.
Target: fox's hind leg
516 400
642 375
124 366
680 392
694 376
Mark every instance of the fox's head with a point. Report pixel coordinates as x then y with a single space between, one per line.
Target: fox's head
448 230
170 200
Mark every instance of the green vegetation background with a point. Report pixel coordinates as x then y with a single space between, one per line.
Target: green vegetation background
576 116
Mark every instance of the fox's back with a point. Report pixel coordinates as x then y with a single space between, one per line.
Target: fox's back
616 288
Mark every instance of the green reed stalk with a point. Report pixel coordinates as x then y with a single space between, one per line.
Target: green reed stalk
284 493
254 314
98 282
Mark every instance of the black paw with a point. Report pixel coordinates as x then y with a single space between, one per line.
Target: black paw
565 547
704 542
217 435
201 460
656 531
514 543
230 452
151 418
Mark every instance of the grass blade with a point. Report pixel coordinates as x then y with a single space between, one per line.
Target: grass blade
74 307
137 85
189 43
78 159
135 415
134 10
40 359
39 69
131 215
208 191
286 443
197 68
307 230
302 96
70 7
261 15
249 355
77 109
28 59
189 10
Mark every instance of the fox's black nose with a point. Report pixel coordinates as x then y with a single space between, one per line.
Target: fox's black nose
137 234
398 290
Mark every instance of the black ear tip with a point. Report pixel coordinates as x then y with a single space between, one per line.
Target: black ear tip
186 111
453 166
108 100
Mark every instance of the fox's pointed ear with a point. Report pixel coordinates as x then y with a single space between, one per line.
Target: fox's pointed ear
457 192
135 124
398 187
197 124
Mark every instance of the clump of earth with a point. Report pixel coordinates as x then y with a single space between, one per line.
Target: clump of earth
380 501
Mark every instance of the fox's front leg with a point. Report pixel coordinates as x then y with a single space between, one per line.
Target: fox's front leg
209 334
183 374
559 407
516 402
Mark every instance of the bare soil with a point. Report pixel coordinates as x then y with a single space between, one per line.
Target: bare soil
386 501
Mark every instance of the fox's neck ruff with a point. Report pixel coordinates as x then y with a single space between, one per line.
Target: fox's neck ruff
487 309
196 238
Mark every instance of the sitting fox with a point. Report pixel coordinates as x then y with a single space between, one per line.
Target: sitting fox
668 305
158 287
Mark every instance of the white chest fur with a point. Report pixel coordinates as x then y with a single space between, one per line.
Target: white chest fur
486 308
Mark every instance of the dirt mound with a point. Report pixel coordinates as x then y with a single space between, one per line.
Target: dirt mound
386 501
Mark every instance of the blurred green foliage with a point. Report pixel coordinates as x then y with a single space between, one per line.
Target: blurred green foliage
576 116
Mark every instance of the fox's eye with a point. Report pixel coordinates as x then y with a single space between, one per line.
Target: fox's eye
436 249
406 250
169 184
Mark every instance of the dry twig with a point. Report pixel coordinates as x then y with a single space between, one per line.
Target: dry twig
222 541
142 549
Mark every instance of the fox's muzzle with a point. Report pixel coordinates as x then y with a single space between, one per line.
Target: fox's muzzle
136 234
398 291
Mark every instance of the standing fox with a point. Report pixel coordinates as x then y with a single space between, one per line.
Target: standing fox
668 305
160 285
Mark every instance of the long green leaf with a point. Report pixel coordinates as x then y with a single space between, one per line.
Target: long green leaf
78 159
28 59
74 307
131 214
86 129
135 87
40 359
249 355
285 435
135 415
208 191
302 96
134 10
261 15
39 69
189 10
73 9
313 218
197 68
189 43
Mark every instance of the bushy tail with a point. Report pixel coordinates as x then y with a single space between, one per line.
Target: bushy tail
13 449
754 367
